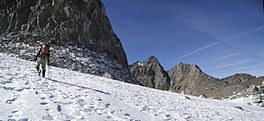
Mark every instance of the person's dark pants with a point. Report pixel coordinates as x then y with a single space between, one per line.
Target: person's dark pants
42 60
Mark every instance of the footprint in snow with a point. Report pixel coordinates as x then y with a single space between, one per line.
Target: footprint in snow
238 107
43 103
9 101
20 89
27 88
168 115
47 117
11 120
107 105
24 119
5 82
9 88
14 111
186 97
59 108
51 96
126 114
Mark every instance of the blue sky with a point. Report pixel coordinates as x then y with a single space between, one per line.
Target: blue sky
223 37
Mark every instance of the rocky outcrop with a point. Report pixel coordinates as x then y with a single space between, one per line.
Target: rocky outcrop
261 79
239 82
79 32
254 93
150 73
190 79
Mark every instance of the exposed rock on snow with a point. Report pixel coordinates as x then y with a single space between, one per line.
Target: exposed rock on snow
255 94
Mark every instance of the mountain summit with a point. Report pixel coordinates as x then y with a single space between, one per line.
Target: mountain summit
190 79
150 73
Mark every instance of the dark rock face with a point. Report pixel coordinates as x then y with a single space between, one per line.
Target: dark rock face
191 80
78 30
151 74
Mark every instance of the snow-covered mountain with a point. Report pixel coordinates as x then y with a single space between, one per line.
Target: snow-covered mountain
69 95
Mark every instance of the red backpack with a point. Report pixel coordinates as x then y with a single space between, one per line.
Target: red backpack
45 49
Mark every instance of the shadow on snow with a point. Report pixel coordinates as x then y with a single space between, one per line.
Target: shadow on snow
83 87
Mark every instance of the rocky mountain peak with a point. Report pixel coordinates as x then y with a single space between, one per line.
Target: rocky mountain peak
152 62
192 66
186 69
150 73
152 59
190 79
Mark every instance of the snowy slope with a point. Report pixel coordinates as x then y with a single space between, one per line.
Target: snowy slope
69 95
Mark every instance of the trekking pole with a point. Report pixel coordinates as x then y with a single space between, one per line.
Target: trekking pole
49 72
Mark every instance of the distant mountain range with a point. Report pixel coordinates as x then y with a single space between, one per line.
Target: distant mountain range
190 79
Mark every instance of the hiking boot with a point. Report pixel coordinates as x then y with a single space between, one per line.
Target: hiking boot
39 72
43 73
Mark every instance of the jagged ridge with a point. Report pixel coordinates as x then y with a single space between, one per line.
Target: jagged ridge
190 79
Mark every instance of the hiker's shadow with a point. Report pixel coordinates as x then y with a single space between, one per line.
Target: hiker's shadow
82 87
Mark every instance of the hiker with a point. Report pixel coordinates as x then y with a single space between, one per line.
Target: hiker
43 58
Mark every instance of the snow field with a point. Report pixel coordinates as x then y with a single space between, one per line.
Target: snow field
69 95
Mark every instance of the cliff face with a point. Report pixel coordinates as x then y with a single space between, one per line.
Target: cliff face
79 32
150 74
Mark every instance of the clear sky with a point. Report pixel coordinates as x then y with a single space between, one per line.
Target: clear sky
223 37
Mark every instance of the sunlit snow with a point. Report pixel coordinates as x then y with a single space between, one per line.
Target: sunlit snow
69 95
